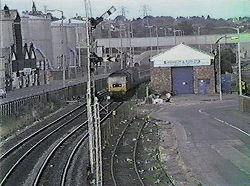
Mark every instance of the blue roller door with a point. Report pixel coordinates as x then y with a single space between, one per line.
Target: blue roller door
183 82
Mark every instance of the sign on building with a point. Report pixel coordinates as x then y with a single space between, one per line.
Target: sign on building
182 63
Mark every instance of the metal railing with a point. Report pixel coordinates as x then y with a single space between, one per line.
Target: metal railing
66 93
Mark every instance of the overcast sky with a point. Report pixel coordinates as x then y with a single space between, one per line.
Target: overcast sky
174 8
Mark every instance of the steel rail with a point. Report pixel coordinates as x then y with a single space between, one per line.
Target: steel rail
113 154
135 151
38 176
67 166
42 129
34 146
38 131
42 168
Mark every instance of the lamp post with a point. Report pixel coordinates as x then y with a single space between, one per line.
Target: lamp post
220 74
165 30
130 35
181 33
150 37
199 33
121 41
63 57
121 49
157 38
239 60
219 65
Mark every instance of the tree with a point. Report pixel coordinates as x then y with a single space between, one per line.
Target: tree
208 27
227 59
186 27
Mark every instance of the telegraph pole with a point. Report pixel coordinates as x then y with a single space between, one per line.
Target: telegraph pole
94 126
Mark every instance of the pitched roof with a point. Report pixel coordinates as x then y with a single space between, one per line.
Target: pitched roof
181 52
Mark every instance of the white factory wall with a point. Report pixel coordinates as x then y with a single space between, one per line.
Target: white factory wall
58 44
65 41
6 38
71 45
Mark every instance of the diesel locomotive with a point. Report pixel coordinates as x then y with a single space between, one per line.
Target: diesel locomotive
122 81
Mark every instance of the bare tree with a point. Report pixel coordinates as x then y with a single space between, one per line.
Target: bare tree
145 9
123 11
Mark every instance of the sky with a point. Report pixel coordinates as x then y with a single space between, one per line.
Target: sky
174 8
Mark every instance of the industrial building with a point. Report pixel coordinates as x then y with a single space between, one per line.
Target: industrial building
69 39
50 40
183 70
36 29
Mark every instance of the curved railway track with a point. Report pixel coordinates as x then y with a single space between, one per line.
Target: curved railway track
3 156
13 157
76 131
21 152
77 146
128 171
135 152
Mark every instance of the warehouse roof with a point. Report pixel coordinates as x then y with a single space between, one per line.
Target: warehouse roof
182 55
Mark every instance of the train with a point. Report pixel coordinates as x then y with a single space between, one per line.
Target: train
122 81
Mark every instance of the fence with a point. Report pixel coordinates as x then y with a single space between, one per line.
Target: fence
65 93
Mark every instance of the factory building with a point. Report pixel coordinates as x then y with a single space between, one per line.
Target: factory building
36 29
183 70
69 39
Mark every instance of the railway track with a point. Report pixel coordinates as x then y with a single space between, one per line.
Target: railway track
58 173
48 126
124 170
33 146
134 158
19 160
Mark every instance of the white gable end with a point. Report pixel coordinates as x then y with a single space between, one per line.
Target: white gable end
181 55
32 55
26 55
13 56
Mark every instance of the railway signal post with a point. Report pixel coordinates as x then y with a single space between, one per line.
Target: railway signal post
93 113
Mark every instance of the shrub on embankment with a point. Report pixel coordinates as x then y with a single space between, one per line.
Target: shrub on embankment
27 116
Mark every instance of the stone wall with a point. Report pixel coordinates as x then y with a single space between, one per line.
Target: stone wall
161 80
204 73
244 103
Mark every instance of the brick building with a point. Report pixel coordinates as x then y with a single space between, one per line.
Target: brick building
17 61
183 70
